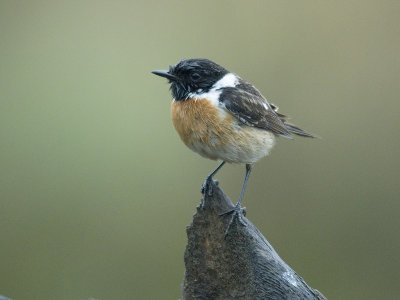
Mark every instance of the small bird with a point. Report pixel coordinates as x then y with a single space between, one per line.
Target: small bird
222 117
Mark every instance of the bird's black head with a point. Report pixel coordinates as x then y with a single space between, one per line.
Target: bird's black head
192 76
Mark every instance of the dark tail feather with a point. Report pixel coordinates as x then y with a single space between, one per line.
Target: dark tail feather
296 130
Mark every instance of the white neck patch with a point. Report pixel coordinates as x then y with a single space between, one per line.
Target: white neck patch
229 80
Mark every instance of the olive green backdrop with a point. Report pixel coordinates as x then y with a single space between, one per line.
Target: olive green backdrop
96 188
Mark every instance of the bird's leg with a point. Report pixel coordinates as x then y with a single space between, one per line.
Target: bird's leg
206 187
237 210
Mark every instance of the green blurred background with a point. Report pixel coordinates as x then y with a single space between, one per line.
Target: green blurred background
96 188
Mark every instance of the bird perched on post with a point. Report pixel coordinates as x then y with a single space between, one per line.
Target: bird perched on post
222 117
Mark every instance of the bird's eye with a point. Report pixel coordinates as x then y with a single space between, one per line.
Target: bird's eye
195 76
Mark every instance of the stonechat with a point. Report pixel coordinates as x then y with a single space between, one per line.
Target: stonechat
222 117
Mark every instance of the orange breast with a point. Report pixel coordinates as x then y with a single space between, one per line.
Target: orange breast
216 134
199 121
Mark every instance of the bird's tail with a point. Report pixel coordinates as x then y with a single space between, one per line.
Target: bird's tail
296 130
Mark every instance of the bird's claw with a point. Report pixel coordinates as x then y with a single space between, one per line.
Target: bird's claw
238 212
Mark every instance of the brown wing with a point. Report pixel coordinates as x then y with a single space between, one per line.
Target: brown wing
251 108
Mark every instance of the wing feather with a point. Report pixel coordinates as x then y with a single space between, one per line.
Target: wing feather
246 103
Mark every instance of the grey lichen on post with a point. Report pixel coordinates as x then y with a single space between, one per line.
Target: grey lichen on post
242 265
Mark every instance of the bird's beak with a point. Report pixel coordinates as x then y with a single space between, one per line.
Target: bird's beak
166 74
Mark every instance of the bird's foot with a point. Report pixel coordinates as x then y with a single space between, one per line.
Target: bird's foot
237 211
206 189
